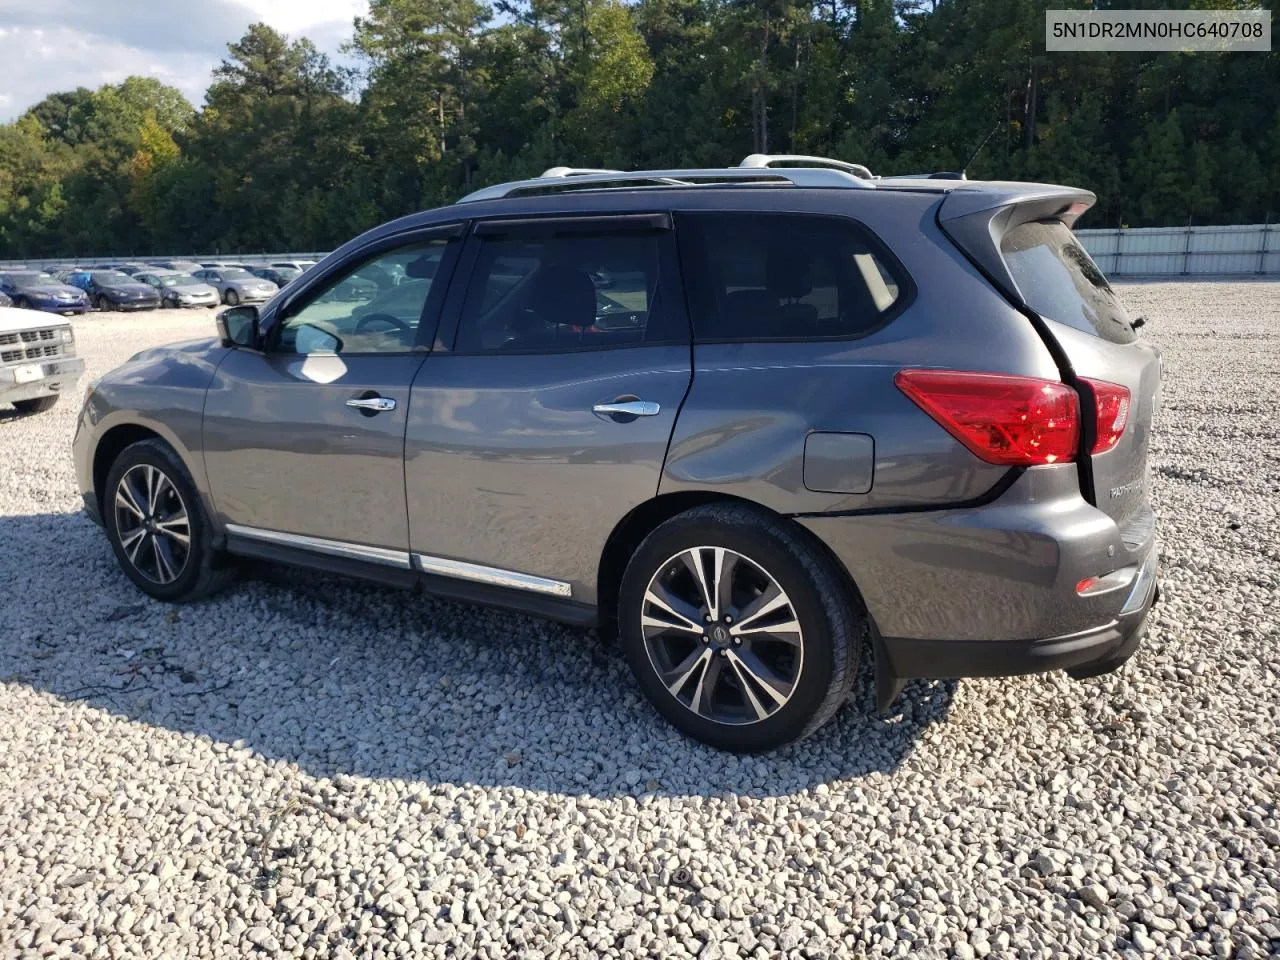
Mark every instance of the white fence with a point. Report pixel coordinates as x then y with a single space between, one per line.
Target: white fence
1185 251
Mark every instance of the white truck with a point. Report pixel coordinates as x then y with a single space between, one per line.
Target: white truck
38 361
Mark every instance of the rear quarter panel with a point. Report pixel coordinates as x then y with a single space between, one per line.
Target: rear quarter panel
742 429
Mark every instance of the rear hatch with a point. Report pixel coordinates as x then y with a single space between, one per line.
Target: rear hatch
1020 235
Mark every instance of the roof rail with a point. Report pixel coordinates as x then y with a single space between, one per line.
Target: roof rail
767 160
640 179
940 175
573 171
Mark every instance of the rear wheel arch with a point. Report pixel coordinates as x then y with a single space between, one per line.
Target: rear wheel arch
648 516
773 553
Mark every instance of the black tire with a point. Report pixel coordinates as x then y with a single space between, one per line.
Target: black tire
170 303
204 571
103 304
832 622
21 303
232 299
38 405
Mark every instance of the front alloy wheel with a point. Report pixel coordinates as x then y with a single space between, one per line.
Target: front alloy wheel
233 298
723 635
153 524
160 534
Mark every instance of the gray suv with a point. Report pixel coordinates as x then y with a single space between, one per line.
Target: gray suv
754 421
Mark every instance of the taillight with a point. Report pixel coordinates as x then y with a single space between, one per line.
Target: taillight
1112 403
1016 421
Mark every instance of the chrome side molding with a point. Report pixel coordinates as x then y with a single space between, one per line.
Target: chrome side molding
494 576
336 548
423 563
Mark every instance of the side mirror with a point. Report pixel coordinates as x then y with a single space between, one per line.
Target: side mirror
238 327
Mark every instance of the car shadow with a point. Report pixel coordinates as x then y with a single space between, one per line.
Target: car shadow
339 677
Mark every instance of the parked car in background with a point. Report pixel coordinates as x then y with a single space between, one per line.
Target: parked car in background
131 267
280 276
114 290
180 289
37 290
38 361
302 266
181 266
237 285
759 428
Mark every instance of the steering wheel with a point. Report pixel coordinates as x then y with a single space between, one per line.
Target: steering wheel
382 318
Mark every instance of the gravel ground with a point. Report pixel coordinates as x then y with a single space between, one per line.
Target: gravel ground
314 768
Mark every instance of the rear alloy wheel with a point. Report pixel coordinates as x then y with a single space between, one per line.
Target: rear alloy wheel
233 298
723 635
742 634
157 527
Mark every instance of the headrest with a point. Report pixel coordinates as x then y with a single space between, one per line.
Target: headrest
787 273
564 295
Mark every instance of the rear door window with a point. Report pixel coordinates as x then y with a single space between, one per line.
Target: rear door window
554 293
1060 281
786 277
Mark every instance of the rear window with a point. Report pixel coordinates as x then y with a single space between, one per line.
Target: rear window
785 277
1059 280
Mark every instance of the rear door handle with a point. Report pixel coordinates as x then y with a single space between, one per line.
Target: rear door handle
628 408
372 404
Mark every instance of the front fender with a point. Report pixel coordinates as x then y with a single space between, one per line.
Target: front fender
161 392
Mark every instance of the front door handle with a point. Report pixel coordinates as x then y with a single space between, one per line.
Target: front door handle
627 409
372 405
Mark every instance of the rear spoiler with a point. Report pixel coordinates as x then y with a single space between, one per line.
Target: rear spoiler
977 220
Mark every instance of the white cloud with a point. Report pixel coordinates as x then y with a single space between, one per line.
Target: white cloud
52 45
298 15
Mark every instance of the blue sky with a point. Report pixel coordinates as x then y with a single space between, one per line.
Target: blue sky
51 45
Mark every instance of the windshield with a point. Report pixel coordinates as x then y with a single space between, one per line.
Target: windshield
31 279
111 276
180 280
235 273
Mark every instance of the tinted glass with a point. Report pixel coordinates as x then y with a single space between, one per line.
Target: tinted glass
1060 281
235 273
111 276
375 307
784 277
554 293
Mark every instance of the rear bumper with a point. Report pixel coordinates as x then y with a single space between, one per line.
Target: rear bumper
1006 570
996 589
1109 644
